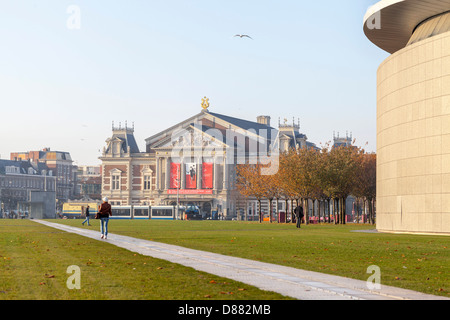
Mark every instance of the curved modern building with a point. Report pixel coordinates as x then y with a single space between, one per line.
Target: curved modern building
413 114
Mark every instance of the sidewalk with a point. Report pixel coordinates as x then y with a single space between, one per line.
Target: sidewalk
296 283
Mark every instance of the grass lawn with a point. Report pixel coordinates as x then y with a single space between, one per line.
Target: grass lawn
416 262
34 261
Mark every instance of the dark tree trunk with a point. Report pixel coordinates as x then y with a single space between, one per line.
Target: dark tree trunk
260 213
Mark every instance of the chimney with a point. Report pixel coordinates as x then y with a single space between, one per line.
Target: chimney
263 120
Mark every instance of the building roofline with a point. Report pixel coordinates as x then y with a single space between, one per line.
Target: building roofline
167 131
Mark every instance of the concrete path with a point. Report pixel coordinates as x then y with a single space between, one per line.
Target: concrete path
296 283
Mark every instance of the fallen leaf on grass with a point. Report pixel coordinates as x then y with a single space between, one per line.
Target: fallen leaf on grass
49 276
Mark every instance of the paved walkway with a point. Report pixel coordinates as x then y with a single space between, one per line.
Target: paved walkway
296 283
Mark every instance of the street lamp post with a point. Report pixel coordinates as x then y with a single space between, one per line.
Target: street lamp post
178 180
1 201
178 197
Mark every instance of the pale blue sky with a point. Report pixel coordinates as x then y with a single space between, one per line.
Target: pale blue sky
153 61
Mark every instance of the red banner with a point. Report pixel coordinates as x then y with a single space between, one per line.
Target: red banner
207 175
191 176
175 175
191 191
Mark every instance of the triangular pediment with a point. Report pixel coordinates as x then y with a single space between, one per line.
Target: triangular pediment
164 137
192 136
115 171
214 131
147 170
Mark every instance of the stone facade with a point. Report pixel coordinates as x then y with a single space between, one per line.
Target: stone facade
61 164
22 184
191 163
413 184
413 129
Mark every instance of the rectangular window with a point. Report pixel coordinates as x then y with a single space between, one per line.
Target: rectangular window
147 182
116 182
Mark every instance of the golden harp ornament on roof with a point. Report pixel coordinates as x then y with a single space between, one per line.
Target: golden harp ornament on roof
205 103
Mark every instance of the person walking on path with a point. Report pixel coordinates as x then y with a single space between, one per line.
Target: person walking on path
104 212
87 217
299 215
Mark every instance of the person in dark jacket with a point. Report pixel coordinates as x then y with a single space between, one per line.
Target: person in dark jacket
87 217
104 212
299 215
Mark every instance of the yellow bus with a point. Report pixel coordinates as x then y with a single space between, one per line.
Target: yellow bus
75 210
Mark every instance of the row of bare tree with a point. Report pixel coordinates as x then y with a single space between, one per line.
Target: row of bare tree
328 174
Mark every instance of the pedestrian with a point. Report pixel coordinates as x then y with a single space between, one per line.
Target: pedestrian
87 217
103 214
299 215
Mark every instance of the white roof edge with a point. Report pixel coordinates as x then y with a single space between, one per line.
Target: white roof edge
397 20
377 7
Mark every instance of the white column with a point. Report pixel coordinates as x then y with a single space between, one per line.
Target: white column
158 173
215 175
225 174
199 173
183 174
167 182
129 182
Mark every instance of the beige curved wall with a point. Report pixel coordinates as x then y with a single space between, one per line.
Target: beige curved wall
413 138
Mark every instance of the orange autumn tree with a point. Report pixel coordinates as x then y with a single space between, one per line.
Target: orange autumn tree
288 178
365 183
299 173
308 166
274 190
337 175
251 183
330 174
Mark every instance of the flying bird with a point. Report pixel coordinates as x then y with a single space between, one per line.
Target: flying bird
243 35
